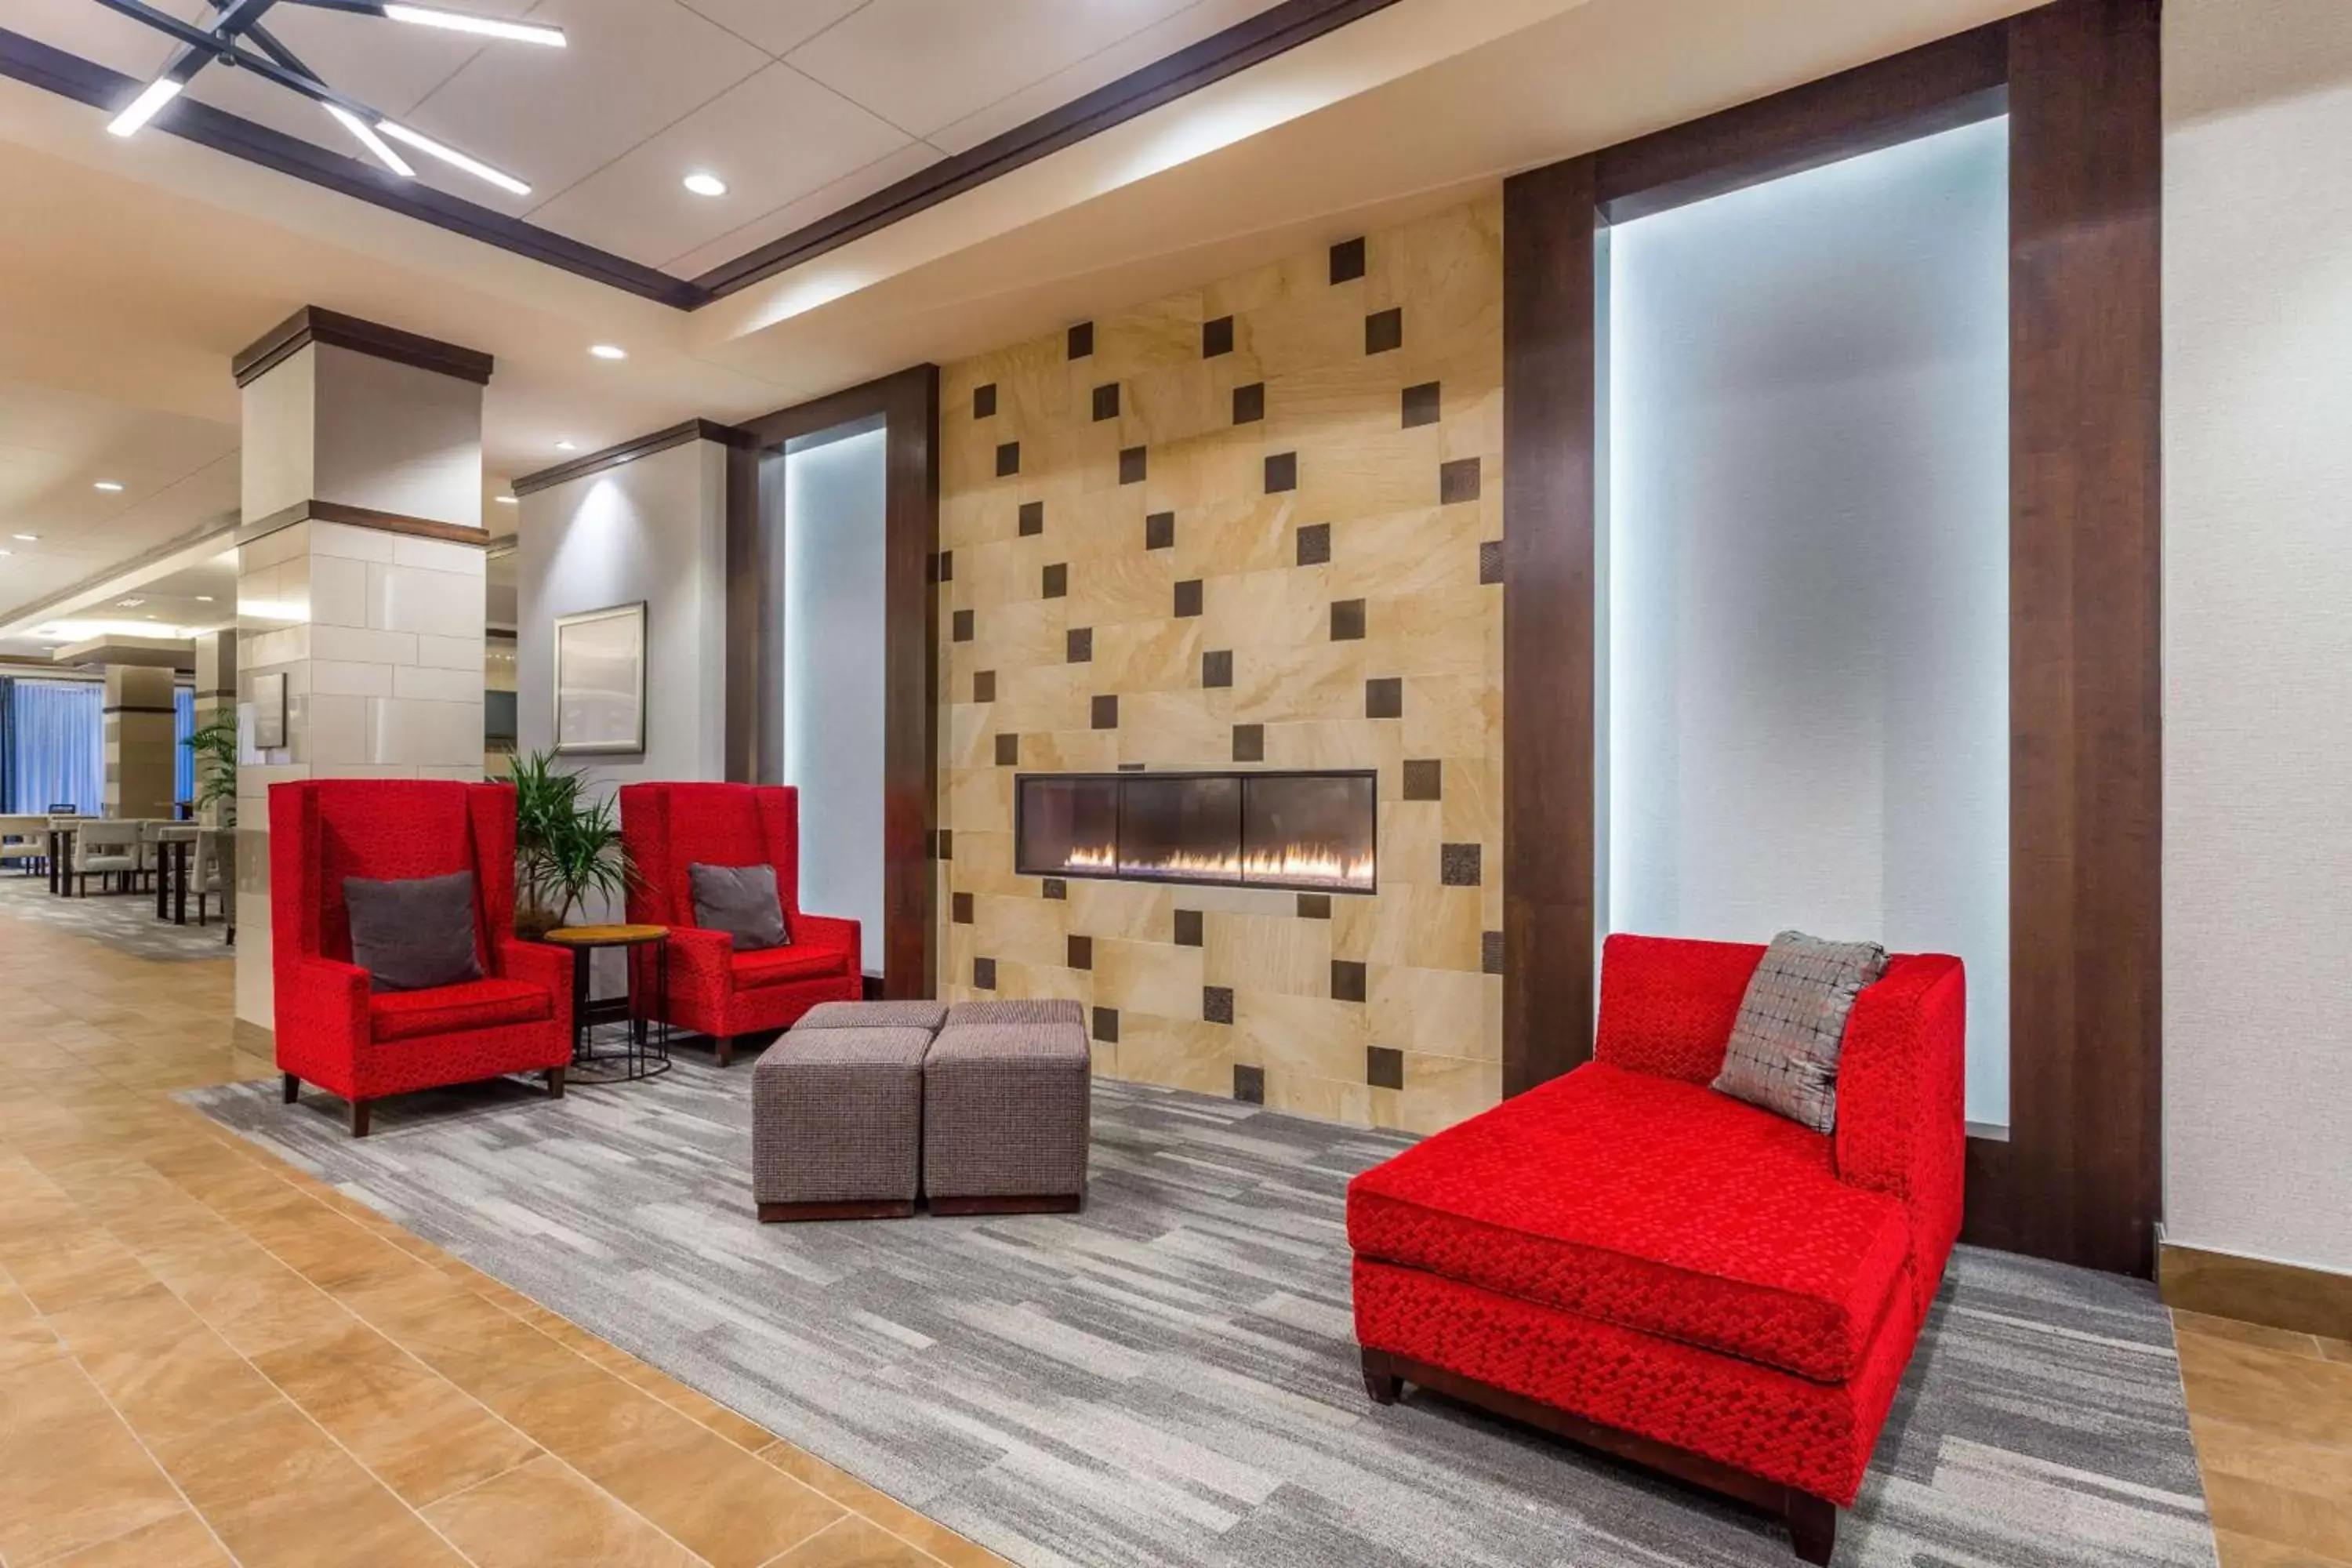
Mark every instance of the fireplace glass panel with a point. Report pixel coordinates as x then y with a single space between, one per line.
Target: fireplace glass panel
1069 825
1308 830
1183 829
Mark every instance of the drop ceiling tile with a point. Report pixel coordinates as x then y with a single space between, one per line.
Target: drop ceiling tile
777 25
1187 27
909 159
552 117
774 139
94 33
925 64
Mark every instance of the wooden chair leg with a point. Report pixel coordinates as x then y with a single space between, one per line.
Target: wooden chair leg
555 1083
1812 1528
293 1089
359 1118
1382 1384
727 1050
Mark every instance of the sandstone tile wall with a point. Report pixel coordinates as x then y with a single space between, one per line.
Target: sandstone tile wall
1262 516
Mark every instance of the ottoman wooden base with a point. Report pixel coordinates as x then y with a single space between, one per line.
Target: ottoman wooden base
783 1214
1045 1202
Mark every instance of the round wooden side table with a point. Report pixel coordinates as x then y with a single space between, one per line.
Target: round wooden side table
644 1055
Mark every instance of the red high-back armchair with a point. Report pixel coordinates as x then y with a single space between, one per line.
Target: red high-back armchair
714 990
333 1029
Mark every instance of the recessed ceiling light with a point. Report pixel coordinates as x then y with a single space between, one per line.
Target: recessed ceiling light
609 351
129 604
203 598
703 184
106 485
505 500
29 538
567 445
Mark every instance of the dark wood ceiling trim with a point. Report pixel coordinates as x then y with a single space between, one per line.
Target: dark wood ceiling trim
1941 86
629 451
69 76
366 517
315 324
1261 37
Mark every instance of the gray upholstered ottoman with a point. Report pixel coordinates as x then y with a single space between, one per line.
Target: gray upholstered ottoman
924 1016
836 1124
1018 1010
1006 1115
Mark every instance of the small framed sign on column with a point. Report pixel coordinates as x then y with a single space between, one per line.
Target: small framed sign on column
600 681
269 710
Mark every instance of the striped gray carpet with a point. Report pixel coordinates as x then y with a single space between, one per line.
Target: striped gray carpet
123 922
1169 1378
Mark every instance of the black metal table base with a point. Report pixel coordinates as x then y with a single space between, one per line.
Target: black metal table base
643 1051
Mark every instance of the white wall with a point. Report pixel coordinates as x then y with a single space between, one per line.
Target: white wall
653 530
1808 604
2258 628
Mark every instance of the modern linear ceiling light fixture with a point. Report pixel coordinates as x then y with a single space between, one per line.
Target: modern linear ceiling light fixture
237 23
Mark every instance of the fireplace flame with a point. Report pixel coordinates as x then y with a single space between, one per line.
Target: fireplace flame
1316 863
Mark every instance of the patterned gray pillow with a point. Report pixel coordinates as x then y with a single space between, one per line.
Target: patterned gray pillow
741 901
1792 1025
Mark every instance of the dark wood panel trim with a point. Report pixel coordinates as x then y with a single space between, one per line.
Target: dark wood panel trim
315 324
1550 389
68 75
907 404
1941 86
2255 1290
361 517
629 451
1272 32
138 708
2085 693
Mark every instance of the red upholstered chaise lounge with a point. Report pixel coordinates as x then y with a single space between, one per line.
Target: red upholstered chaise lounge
1626 1258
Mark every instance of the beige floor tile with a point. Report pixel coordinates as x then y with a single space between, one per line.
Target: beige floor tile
2244 1333
547 1515
71 1474
891 1514
2236 1551
854 1543
419 1433
2267 1510
183 1541
163 1396
2292 1396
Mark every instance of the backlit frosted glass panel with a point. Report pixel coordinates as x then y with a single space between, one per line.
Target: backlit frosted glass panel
1807 720
832 647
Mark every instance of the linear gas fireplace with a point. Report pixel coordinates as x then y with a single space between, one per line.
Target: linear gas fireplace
1317 832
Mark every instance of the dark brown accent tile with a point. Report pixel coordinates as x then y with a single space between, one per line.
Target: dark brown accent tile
1216 337
1347 980
1056 581
983 401
1082 340
1457 481
1315 544
983 686
1315 906
1217 1004
1490 561
1188 928
1105 712
946 844
983 974
1249 743
1347 620
1159 531
1457 865
1423 779
1347 259
1079 645
1033 518
962 625
1188 597
1385 1066
943 567
1106 1025
1106 401
1082 952
1131 767
1249 1084
1421 405
1249 403
1132 465
1384 330
1384 696
1008 751
1056 889
1217 668
962 903
1490 952
1281 473
1008 459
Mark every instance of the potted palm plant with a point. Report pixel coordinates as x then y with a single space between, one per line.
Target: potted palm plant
567 847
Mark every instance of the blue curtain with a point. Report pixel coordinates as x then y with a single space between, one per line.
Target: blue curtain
183 760
57 741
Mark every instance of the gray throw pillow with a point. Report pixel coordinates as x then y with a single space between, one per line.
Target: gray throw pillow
414 934
1791 1027
741 901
